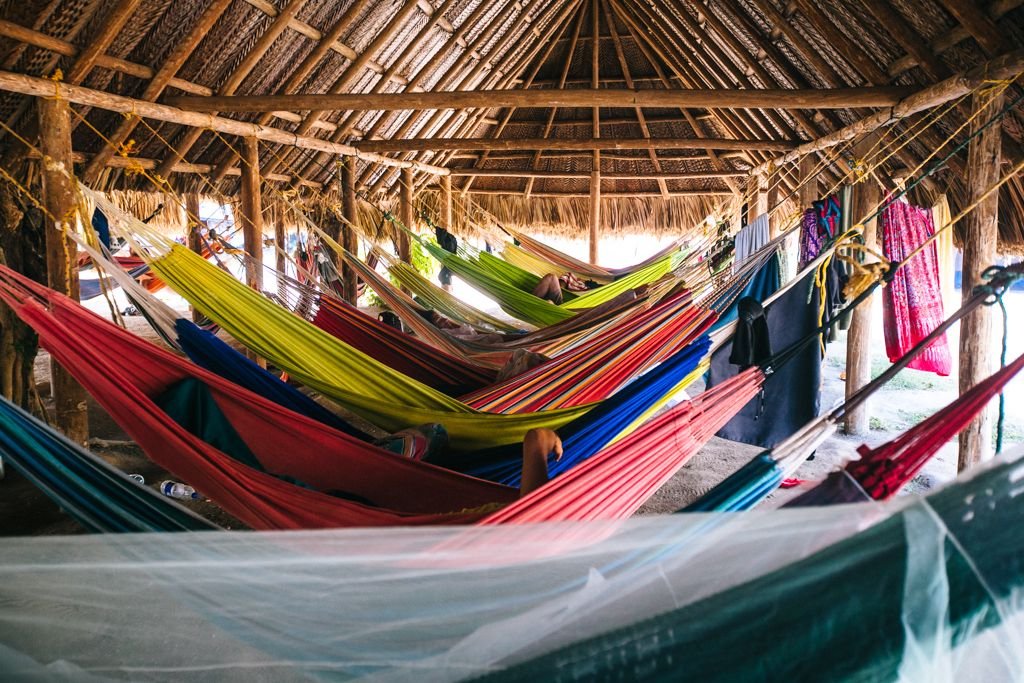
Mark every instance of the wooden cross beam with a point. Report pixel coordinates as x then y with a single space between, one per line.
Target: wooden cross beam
422 144
751 98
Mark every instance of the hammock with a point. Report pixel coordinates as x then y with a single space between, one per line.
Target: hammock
912 303
307 452
448 604
547 341
104 499
563 262
314 358
399 351
512 289
898 601
882 471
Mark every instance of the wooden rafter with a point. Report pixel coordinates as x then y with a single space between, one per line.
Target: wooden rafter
240 72
174 61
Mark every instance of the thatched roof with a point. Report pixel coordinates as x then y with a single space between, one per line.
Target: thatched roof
443 45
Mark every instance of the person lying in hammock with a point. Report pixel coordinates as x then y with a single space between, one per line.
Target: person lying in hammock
550 287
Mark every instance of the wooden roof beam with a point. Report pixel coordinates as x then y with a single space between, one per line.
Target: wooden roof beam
1007 66
722 98
566 66
664 41
500 128
977 23
605 175
647 50
611 195
956 35
61 47
299 76
627 75
592 144
508 69
99 43
240 72
41 87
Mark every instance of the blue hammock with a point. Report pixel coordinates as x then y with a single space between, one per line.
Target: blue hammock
95 494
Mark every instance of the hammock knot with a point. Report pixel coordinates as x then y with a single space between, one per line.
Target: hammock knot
996 280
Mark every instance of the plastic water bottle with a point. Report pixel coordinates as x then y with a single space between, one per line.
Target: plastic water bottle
173 489
138 478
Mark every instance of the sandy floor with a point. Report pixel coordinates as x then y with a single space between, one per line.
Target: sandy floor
911 397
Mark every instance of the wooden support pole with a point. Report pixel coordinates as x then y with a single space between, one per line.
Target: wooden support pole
406 215
252 212
981 233
280 262
62 274
595 212
866 196
757 204
350 240
447 208
810 182
193 227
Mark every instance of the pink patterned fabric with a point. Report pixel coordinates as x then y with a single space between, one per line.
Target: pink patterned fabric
912 302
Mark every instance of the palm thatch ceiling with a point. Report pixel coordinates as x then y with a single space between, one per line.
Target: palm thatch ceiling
155 49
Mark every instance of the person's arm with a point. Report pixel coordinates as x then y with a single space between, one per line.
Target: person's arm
537 445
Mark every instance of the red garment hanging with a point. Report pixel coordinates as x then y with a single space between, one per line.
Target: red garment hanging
912 302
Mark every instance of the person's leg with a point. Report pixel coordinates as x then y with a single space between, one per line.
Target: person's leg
549 288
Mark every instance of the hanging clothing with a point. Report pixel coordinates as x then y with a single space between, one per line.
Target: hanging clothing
912 303
946 251
820 225
792 394
750 239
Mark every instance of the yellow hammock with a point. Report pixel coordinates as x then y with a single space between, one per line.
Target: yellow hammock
323 363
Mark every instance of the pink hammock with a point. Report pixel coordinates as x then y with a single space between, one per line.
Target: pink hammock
912 303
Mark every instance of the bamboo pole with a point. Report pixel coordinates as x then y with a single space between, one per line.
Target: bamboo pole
981 234
69 397
252 213
41 87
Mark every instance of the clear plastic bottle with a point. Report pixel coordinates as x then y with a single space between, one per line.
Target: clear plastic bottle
173 489
138 478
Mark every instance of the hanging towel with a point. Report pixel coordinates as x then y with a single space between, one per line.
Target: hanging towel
750 239
912 303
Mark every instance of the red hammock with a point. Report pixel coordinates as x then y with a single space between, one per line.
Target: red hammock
618 480
883 471
912 302
399 350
